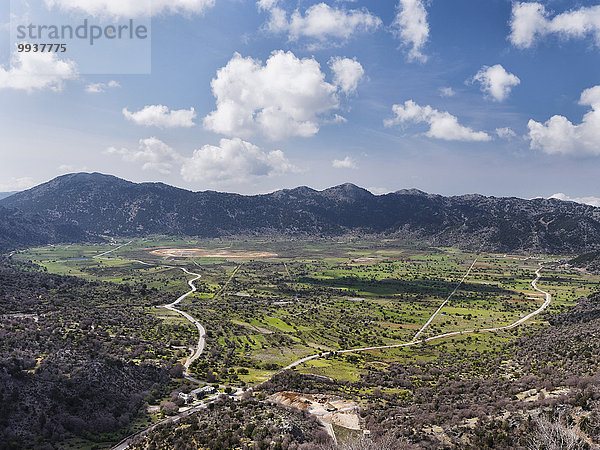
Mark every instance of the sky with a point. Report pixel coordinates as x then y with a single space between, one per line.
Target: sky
448 96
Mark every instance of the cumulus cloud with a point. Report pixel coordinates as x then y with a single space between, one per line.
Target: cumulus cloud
379 190
442 125
97 88
234 160
37 71
447 92
287 96
412 28
152 154
320 22
346 163
132 8
505 133
266 5
16 184
530 22
70 168
592 201
160 116
560 136
347 73
496 82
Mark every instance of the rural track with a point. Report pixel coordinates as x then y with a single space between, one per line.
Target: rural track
413 342
124 444
220 291
424 327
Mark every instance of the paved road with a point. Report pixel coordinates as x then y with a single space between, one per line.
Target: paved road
193 357
125 443
201 331
201 341
171 306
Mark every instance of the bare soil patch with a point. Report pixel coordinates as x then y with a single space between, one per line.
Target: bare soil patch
330 410
205 253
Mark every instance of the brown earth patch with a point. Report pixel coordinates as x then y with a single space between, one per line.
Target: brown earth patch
328 409
204 253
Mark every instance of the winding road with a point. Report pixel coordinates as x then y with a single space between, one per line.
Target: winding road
440 336
415 341
195 354
201 331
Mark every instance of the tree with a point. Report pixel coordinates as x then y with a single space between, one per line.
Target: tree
169 408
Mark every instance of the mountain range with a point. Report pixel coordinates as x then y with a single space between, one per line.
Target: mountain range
84 207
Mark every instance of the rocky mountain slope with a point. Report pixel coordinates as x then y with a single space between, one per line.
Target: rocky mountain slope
96 204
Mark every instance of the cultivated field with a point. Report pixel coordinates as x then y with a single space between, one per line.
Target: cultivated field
266 304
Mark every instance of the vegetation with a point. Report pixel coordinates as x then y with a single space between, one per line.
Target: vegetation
77 358
249 424
82 207
96 321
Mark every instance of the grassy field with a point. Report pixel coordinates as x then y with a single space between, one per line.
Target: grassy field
262 314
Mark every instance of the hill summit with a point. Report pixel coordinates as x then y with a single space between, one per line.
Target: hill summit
87 205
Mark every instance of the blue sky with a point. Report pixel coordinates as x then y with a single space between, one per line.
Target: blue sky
448 96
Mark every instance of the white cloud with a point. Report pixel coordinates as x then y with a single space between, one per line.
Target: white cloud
530 22
347 73
69 168
160 116
560 136
152 154
319 22
16 184
496 82
266 5
442 125
379 190
346 163
234 160
447 92
505 133
132 8
593 201
412 28
286 96
97 88
37 71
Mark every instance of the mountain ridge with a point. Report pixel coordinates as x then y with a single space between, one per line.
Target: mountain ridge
96 204
7 194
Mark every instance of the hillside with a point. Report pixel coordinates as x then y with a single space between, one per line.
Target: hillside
97 204
588 261
19 229
63 372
